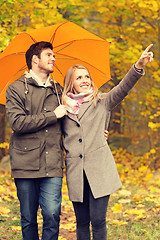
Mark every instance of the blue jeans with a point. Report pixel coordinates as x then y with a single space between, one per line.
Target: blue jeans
91 210
45 192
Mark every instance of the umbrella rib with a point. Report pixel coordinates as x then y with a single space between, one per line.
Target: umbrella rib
71 58
65 46
58 69
53 37
22 53
30 37
66 58
83 39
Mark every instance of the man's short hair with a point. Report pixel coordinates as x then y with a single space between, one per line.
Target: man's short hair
36 49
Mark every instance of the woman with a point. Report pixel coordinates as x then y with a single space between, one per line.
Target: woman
90 168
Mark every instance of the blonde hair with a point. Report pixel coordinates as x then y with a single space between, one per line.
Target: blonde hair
68 81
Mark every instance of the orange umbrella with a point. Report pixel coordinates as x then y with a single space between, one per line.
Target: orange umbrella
71 44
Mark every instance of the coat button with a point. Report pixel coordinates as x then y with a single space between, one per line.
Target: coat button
80 140
80 156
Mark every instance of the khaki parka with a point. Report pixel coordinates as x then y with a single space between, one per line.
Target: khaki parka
86 148
35 145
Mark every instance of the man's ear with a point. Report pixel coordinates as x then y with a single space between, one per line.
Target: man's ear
35 59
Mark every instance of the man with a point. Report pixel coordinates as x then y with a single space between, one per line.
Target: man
35 145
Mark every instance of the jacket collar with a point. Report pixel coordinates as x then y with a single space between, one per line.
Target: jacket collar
50 82
32 75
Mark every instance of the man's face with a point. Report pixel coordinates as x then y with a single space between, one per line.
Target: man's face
46 61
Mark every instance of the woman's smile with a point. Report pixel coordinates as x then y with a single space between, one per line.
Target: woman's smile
81 81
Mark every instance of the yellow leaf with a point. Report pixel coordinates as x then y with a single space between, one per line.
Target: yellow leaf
141 216
148 177
143 169
137 197
15 218
69 226
140 205
61 238
124 193
4 210
140 30
65 197
152 150
154 189
117 222
117 208
14 194
145 231
16 228
7 199
150 198
72 219
67 208
2 189
125 200
4 145
158 205
135 211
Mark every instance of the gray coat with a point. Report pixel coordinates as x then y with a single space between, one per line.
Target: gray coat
35 145
85 145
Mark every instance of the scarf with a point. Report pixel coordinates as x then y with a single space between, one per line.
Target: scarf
73 101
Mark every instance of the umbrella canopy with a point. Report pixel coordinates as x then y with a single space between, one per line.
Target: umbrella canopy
72 44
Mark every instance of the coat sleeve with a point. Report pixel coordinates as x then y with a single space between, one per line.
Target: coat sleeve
118 93
18 118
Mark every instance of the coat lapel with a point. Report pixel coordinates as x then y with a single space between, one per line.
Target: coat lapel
83 108
73 117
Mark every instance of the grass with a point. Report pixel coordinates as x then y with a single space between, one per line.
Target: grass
131 222
133 211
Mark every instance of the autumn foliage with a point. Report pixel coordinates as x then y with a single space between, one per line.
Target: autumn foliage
133 211
130 26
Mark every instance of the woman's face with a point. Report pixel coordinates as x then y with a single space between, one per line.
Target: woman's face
81 81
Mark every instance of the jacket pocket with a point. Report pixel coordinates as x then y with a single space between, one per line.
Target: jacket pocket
25 155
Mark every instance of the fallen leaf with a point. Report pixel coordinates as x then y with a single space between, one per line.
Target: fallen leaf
124 193
117 208
117 222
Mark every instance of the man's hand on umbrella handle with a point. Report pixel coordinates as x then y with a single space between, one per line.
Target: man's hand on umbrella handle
60 111
145 58
106 134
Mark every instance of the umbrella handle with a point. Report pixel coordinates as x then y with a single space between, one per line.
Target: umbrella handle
59 102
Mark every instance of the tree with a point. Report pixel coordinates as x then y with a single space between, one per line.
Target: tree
130 26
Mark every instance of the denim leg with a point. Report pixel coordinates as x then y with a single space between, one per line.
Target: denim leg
28 195
82 215
98 210
50 202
